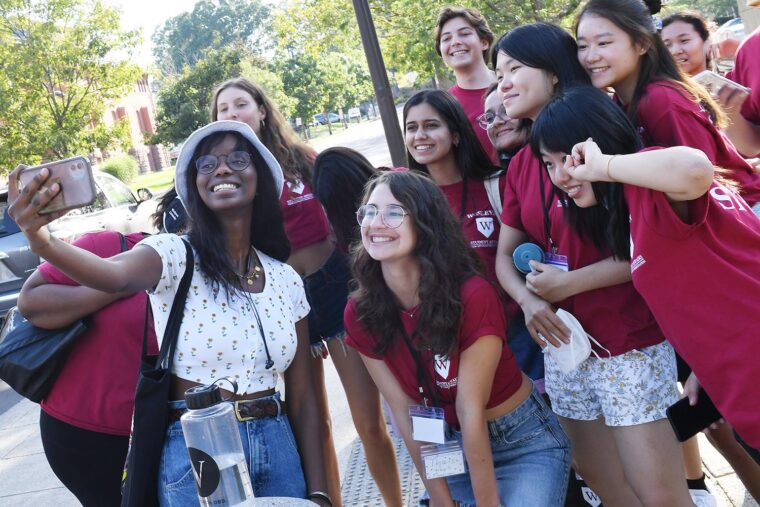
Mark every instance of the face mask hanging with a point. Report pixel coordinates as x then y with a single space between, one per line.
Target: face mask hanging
569 356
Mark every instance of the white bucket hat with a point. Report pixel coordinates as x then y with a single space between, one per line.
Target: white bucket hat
192 142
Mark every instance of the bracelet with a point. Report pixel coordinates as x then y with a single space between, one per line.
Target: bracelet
609 161
320 494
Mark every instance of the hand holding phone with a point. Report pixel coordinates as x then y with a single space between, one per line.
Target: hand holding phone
713 82
687 420
74 177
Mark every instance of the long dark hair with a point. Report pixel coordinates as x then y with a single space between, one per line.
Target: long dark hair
471 159
340 175
544 46
635 19
276 133
267 227
572 117
445 259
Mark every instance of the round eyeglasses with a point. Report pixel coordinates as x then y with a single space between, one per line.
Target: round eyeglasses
237 161
487 119
392 215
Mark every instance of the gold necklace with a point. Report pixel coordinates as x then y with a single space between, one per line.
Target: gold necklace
251 274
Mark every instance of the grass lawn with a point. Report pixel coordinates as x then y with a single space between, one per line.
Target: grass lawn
157 182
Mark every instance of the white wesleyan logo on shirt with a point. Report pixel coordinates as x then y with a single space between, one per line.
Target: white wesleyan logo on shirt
485 226
442 364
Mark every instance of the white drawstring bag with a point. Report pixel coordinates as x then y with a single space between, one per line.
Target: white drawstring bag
569 356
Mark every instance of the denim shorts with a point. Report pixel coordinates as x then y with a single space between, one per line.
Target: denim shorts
270 451
327 293
526 350
531 456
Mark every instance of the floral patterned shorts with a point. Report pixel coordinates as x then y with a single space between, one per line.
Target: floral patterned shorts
632 388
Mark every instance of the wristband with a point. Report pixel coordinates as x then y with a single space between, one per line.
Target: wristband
609 161
321 495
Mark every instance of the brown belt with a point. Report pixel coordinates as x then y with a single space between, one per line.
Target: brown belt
246 410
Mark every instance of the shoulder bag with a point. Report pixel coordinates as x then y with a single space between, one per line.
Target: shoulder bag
151 413
31 357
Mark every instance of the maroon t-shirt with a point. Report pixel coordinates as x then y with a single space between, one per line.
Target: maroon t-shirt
666 116
702 281
95 390
616 316
472 103
480 226
482 315
746 72
305 219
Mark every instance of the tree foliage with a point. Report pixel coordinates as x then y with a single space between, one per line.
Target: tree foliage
183 39
183 103
61 62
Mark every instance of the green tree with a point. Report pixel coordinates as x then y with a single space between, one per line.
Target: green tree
183 39
183 103
61 62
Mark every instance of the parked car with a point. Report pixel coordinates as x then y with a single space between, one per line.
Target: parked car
320 118
115 208
734 27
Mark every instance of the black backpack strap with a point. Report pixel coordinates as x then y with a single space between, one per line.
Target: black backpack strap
171 333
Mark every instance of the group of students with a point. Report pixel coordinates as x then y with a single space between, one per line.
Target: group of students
405 277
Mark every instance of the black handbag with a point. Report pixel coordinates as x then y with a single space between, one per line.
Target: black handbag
32 357
151 413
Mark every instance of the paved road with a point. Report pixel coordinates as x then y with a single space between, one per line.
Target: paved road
8 397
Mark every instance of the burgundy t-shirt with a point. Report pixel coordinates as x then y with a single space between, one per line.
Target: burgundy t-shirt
472 103
746 72
95 390
305 219
480 226
616 316
666 116
702 281
482 315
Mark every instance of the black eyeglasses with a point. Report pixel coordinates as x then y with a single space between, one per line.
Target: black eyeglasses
237 161
392 215
486 119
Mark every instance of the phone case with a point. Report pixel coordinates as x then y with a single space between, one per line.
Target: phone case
74 175
688 420
713 82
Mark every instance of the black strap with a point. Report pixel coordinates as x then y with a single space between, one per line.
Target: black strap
123 243
422 376
171 333
546 203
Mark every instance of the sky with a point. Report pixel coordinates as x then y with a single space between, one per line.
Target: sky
147 15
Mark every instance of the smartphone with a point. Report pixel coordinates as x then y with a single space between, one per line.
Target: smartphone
688 420
74 175
712 82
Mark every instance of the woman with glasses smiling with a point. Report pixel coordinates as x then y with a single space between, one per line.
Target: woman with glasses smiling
507 135
245 316
432 332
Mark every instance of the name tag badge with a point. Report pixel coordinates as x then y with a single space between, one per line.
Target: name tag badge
442 460
427 424
556 260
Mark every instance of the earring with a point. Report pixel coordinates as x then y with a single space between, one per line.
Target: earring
263 125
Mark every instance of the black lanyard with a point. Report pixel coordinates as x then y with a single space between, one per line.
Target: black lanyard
546 204
422 377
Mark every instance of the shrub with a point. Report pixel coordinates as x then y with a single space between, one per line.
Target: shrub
122 167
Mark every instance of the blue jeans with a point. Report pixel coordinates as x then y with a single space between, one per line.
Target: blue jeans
327 293
527 352
270 451
531 456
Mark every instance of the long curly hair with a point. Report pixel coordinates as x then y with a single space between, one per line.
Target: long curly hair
634 17
445 260
294 157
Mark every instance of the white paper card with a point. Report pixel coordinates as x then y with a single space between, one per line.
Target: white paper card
425 429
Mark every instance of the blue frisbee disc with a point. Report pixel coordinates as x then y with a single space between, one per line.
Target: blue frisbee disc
525 253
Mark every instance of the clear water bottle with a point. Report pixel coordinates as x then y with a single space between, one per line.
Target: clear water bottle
215 448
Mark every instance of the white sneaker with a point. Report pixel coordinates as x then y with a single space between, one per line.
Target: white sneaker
703 498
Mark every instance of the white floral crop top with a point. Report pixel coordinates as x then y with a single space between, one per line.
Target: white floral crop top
220 338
